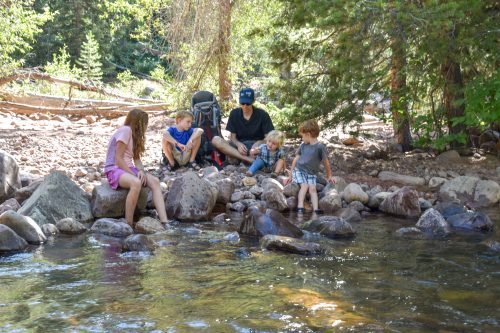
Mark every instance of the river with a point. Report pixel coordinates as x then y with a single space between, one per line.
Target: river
375 282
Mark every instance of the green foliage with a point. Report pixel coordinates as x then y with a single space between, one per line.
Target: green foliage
90 60
60 65
483 101
20 24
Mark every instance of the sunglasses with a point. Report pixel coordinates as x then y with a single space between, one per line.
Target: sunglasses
246 104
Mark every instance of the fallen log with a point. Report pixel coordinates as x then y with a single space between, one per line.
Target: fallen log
102 111
32 75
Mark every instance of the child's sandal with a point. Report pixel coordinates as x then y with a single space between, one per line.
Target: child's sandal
319 211
300 210
193 165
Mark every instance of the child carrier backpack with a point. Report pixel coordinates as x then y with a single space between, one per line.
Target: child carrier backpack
207 116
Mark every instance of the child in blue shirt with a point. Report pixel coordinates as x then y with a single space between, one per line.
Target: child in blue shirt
269 154
180 143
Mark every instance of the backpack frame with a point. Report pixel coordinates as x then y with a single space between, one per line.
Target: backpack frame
207 116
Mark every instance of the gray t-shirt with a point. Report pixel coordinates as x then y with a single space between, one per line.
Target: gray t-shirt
311 155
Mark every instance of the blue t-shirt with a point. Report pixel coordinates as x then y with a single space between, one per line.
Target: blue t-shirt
180 136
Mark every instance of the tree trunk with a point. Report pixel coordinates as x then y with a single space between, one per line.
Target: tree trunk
399 106
453 96
224 49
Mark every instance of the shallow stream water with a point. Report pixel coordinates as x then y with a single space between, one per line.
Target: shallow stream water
376 282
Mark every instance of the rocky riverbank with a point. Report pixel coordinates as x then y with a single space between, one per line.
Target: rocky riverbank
371 176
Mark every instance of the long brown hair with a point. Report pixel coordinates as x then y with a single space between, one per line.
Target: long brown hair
138 122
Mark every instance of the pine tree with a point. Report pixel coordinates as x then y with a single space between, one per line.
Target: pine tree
90 60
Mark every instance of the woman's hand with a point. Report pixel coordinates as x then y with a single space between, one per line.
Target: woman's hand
143 177
331 180
242 148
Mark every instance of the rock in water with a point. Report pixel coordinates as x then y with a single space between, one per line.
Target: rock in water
258 223
403 202
288 244
10 241
24 226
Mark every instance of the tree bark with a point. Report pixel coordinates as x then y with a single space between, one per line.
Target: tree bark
224 49
453 96
399 105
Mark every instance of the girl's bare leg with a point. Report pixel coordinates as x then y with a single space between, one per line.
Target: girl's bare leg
154 184
134 185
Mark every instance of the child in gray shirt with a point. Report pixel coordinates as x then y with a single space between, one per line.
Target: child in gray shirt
305 165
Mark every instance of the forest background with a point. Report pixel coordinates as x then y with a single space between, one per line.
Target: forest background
429 67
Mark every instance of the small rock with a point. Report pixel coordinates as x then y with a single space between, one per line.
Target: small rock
49 229
138 242
288 244
70 226
249 181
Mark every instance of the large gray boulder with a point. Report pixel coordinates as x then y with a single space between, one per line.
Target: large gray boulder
458 189
331 227
432 221
403 202
487 193
191 198
24 226
9 176
401 179
476 221
10 241
57 198
107 202
270 222
289 244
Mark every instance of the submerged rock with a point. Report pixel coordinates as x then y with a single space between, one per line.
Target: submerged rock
471 221
138 242
331 227
409 232
289 244
272 222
